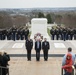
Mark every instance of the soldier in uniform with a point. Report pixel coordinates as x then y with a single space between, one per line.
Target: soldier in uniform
71 34
8 34
52 32
64 34
38 49
21 34
29 46
68 34
74 30
60 33
13 33
18 35
57 33
4 34
45 47
0 34
26 33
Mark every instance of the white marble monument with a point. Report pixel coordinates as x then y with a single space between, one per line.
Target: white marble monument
39 25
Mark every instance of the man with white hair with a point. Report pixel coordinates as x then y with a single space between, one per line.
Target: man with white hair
45 47
38 49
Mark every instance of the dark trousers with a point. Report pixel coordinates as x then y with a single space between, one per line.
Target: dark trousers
13 36
71 36
17 37
21 37
9 37
45 54
3 71
29 54
57 37
67 37
37 55
61 36
53 37
64 37
26 36
67 73
0 37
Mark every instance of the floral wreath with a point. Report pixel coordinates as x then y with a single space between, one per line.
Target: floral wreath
38 36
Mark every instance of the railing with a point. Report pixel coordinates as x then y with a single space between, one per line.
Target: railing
4 68
73 72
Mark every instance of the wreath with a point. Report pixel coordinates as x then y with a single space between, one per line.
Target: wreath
38 36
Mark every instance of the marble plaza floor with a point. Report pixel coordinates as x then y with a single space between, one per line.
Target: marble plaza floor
20 65
18 47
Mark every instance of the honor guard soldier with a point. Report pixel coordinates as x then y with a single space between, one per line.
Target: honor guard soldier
29 46
71 34
18 35
60 33
57 33
74 33
13 33
64 34
52 32
9 34
45 47
26 33
21 34
68 34
0 34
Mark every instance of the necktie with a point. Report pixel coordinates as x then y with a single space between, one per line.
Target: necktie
45 43
37 44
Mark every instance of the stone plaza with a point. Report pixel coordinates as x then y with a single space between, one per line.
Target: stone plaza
19 64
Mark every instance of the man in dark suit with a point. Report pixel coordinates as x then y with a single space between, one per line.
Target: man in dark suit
38 48
29 46
45 47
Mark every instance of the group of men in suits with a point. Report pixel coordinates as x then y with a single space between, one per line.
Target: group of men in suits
45 46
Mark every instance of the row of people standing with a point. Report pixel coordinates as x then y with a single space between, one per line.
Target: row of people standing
45 46
14 34
4 58
63 33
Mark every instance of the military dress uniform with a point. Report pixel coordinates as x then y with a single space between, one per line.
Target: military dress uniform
64 34
26 33
52 32
71 34
57 33
14 34
29 46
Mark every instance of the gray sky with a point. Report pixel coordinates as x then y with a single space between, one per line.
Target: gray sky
36 3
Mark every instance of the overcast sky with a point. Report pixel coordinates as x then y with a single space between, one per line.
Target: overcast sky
36 3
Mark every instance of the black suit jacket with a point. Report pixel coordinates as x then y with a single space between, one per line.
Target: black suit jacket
39 46
29 44
45 47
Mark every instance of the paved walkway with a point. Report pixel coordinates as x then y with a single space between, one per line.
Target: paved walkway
20 65
18 47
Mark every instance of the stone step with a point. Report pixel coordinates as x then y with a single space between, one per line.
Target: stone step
34 55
